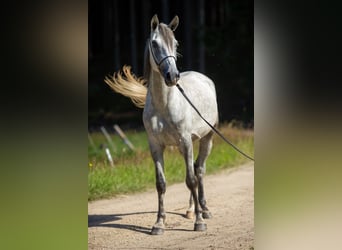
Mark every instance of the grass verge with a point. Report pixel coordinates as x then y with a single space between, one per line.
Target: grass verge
134 171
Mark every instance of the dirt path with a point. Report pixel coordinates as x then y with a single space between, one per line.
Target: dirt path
125 222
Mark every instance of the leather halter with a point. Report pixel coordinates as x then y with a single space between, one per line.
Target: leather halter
155 58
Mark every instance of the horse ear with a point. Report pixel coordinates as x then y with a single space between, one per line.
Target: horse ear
154 22
174 23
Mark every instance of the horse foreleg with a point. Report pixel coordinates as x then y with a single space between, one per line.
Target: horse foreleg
157 155
192 182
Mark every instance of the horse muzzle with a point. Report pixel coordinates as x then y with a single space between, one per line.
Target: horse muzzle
171 78
168 69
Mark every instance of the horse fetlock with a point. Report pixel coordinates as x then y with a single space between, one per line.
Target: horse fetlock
157 230
159 227
190 214
206 214
202 202
161 218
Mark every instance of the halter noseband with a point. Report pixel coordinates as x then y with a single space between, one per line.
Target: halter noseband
154 56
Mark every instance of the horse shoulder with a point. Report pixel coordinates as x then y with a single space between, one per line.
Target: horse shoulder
159 126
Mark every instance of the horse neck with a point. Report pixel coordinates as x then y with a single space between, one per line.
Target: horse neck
159 90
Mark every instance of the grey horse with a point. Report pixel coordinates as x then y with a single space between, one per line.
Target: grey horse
168 119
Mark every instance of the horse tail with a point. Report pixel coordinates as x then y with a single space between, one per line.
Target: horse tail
128 85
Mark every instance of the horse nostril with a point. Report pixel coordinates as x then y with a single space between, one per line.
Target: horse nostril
178 76
168 76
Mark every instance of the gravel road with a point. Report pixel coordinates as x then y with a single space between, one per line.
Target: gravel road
125 222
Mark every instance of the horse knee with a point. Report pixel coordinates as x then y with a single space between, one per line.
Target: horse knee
161 186
191 182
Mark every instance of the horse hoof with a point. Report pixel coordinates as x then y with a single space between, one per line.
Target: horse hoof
157 231
200 227
206 215
189 215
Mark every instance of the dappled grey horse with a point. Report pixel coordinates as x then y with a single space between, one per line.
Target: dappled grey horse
168 119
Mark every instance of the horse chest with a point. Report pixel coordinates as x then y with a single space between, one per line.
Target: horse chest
163 130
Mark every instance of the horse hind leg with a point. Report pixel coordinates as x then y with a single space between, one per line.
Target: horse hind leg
204 151
192 182
191 210
199 166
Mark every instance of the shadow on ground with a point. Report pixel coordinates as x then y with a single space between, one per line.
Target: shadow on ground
103 220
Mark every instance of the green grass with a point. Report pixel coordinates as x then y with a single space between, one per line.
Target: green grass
134 171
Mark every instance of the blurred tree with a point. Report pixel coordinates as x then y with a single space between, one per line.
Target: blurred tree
215 37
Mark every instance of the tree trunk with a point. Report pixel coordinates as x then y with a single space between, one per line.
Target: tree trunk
188 35
116 36
165 11
201 48
133 35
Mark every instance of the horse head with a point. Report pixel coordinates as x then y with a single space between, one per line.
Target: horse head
163 49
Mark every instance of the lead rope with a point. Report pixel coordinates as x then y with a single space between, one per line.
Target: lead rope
211 126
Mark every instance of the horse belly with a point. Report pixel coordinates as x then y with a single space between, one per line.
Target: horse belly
199 127
200 132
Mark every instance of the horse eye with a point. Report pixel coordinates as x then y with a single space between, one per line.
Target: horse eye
154 44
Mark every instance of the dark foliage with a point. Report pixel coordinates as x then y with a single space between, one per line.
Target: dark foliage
215 37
